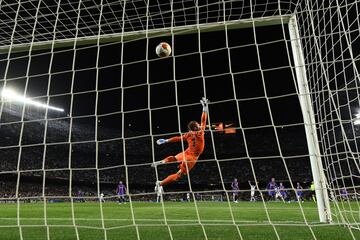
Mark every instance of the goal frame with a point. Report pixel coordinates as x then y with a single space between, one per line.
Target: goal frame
135 35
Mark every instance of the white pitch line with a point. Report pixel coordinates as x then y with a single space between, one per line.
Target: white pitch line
161 220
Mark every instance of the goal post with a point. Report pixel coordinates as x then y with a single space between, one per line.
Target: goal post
319 178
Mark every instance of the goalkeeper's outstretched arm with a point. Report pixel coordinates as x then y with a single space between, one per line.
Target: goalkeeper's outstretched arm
204 103
173 139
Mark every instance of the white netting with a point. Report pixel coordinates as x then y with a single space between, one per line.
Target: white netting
96 60
119 16
330 36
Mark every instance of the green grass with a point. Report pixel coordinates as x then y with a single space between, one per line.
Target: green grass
184 220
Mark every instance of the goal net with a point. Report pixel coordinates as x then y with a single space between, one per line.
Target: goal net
84 98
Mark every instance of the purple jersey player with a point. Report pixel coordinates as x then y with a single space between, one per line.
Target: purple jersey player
344 193
235 189
121 192
271 188
299 192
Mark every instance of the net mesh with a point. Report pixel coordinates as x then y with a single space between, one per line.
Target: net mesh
118 98
119 16
329 37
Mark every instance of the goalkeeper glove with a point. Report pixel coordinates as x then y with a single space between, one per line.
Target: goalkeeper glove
204 103
161 141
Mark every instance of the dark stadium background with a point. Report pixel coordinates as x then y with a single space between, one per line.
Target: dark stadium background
139 137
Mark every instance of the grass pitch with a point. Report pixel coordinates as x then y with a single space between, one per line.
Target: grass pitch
184 220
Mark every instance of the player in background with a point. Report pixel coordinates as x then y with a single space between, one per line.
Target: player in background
188 197
121 192
235 190
81 194
159 193
197 197
278 194
344 194
299 192
186 159
332 196
252 192
101 198
271 188
282 191
312 188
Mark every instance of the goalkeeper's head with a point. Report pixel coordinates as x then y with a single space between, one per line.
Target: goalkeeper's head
193 126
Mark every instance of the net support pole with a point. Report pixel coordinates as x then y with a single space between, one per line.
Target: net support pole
319 178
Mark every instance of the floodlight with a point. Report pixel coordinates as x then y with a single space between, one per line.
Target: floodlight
11 95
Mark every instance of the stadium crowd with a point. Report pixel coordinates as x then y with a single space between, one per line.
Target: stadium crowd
111 164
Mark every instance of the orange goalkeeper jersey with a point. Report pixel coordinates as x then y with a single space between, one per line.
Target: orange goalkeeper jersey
195 139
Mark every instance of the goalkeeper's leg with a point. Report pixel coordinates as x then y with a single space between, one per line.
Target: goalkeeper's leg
186 164
178 158
166 160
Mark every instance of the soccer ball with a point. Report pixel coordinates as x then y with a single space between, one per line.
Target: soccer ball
163 49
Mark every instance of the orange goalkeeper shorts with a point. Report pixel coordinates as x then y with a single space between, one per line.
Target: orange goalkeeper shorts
187 161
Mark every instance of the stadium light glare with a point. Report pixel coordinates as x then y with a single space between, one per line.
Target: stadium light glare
357 119
10 95
357 122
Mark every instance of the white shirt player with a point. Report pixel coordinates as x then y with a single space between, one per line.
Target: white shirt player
188 197
101 199
332 196
252 188
278 194
159 191
252 192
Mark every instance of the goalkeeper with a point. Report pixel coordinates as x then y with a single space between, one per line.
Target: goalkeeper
186 159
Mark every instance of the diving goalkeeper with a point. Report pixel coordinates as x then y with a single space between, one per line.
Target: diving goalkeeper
186 159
